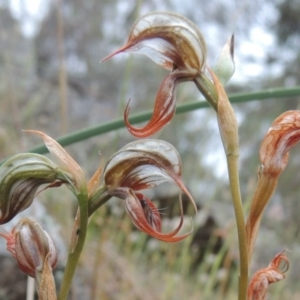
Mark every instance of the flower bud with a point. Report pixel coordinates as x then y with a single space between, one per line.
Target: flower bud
225 67
30 245
20 177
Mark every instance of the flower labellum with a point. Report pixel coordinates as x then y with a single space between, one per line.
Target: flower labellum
164 108
146 218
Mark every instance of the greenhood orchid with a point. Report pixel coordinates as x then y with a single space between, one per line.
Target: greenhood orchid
20 178
142 165
176 44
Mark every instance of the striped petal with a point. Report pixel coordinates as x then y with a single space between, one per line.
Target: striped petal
164 107
170 40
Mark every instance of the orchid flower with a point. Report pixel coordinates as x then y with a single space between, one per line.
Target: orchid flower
176 44
20 178
260 281
142 165
274 153
35 253
23 174
29 244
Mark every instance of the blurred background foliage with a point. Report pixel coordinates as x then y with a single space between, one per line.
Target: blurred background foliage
51 80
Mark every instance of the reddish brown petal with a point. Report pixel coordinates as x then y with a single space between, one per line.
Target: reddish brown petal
10 241
150 211
280 138
280 261
165 105
137 216
55 184
261 280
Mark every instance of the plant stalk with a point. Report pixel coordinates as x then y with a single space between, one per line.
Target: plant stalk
229 133
207 89
74 254
232 162
95 203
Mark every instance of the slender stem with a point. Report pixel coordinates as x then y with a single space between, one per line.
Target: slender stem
89 132
207 89
30 288
232 162
74 254
96 202
229 133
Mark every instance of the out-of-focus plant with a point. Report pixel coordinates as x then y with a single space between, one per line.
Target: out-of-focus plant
175 43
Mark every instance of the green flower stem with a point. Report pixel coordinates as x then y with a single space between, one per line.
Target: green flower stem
99 198
207 89
232 162
74 255
229 133
265 188
89 132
